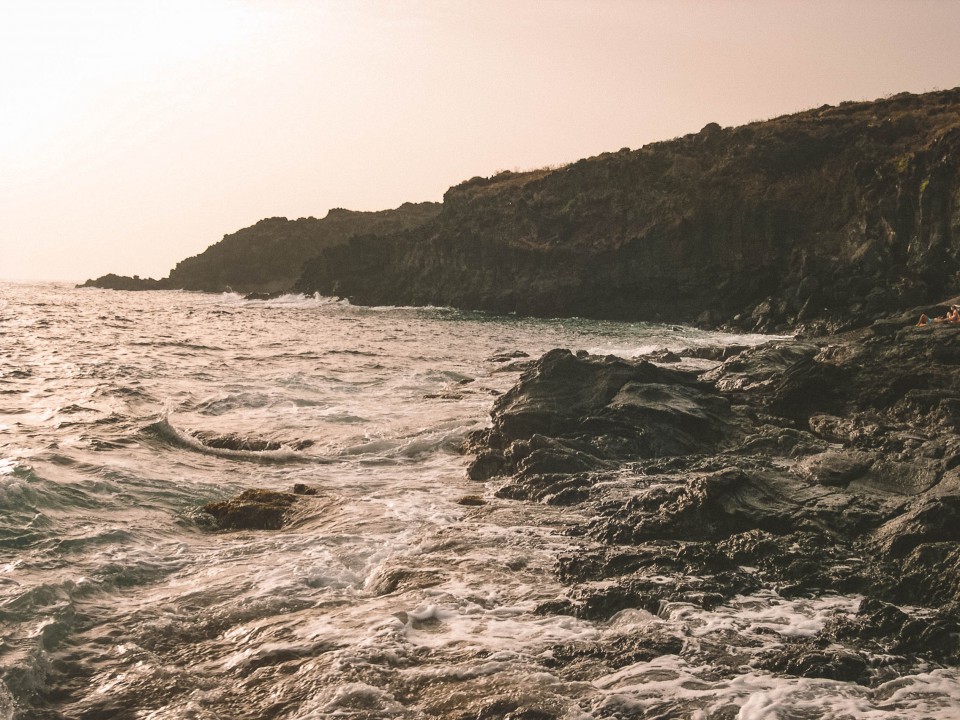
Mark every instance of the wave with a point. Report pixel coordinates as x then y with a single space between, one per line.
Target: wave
446 437
237 448
175 344
287 300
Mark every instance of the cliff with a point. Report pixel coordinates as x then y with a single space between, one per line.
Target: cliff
831 216
269 256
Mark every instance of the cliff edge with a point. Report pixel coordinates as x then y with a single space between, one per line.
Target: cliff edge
830 218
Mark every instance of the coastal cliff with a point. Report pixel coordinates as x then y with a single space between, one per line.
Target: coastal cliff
830 218
268 257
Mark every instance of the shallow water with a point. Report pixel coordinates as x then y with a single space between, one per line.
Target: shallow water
387 598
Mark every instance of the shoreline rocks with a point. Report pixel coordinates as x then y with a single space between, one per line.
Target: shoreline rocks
805 468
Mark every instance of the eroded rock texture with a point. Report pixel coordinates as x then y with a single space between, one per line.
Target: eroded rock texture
804 468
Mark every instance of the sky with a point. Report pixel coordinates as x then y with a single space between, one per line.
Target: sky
135 133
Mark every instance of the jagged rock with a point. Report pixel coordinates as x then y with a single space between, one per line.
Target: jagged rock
650 643
808 659
836 467
804 468
572 414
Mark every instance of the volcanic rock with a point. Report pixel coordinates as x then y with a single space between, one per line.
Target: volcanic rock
265 259
804 468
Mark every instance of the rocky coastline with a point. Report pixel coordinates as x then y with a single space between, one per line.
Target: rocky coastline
809 468
828 219
823 466
824 220
818 469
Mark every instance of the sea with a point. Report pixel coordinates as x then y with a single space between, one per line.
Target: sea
386 597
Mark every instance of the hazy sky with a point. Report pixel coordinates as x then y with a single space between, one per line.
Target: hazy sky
134 133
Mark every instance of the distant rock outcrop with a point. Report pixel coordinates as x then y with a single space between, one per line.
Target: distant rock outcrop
268 257
111 281
831 216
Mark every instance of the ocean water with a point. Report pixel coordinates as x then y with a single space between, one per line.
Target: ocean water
386 598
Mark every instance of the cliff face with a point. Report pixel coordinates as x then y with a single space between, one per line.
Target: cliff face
269 256
835 214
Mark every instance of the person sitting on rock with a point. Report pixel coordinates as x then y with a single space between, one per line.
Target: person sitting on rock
952 316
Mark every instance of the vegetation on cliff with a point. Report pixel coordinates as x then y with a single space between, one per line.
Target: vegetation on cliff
836 214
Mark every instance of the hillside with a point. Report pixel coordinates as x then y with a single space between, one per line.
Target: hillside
834 214
269 256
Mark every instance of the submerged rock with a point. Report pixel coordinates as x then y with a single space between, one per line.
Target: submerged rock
232 441
253 510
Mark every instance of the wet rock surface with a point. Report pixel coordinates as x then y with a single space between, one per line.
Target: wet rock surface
255 509
806 469
232 441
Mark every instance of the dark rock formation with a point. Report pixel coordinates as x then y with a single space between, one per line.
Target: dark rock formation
253 510
123 282
267 258
806 468
835 215
576 414
239 443
259 509
232 441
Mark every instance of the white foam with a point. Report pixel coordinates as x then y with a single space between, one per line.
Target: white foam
385 583
164 429
764 611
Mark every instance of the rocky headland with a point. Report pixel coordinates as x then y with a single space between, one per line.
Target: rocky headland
806 468
829 218
268 257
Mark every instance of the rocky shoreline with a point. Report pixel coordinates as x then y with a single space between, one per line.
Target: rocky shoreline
820 470
826 219
805 468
